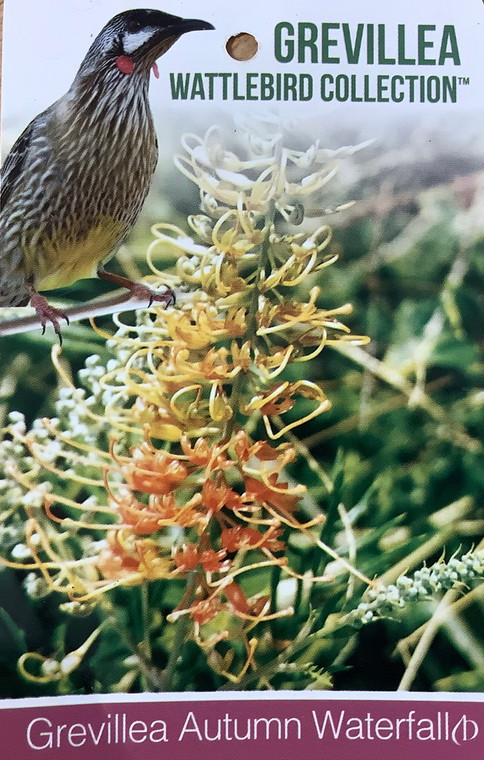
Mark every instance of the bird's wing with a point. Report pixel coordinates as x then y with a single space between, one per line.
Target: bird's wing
14 162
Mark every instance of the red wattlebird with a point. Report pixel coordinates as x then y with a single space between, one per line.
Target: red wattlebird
74 182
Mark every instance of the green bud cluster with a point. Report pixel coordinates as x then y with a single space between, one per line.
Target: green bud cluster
384 601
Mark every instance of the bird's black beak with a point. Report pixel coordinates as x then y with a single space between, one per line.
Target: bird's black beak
168 35
188 25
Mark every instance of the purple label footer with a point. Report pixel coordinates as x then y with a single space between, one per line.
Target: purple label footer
272 727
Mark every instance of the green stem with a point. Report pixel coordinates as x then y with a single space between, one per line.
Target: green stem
182 627
448 429
423 646
252 321
150 675
181 631
281 663
429 547
145 617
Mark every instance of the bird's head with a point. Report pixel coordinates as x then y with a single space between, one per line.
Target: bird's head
133 40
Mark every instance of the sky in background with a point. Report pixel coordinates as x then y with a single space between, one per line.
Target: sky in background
45 41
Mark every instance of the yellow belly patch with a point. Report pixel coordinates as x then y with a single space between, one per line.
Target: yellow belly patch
60 263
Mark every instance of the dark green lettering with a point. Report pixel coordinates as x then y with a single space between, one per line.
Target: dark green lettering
198 90
433 89
449 89
290 82
305 87
355 98
266 86
327 42
397 98
210 76
237 96
368 98
251 86
225 84
342 87
307 41
411 79
449 39
382 59
353 51
370 43
382 87
284 42
179 86
402 58
326 95
423 44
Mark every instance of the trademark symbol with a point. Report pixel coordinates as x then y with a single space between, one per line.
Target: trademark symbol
464 80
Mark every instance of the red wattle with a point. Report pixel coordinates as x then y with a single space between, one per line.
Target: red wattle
125 64
156 71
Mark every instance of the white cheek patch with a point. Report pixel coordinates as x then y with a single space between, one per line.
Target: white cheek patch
134 40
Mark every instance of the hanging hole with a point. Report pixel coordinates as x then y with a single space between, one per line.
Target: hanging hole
242 46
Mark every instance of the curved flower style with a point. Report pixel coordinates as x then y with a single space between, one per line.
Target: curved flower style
151 472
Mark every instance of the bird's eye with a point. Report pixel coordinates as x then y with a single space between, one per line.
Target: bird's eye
135 26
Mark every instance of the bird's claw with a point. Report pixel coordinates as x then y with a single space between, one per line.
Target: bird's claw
48 314
143 291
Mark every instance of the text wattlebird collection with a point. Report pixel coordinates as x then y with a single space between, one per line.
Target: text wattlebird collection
75 181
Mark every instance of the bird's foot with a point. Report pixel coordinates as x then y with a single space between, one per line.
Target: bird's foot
47 313
138 289
143 291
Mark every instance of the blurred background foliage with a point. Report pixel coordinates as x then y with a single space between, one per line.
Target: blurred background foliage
402 443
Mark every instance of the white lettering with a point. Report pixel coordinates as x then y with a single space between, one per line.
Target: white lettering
77 731
190 721
328 720
47 734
